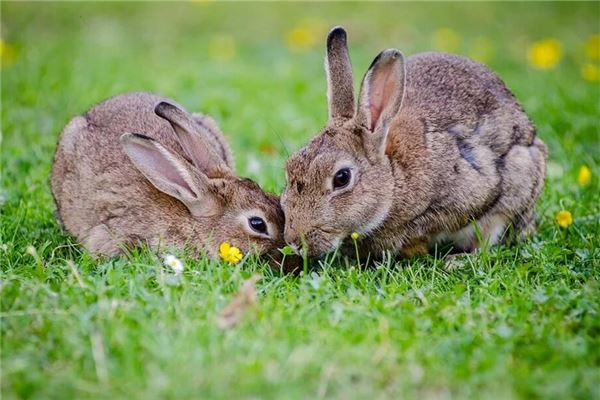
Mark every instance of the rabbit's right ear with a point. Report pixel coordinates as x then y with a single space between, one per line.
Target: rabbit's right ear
171 174
195 144
340 87
381 94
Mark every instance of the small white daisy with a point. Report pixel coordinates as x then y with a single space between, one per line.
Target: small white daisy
173 262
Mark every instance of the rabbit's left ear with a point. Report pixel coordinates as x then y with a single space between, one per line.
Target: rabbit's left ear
381 93
193 139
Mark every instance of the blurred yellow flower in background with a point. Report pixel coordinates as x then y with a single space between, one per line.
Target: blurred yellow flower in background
592 47
355 236
590 72
222 47
7 53
229 253
3 48
445 39
308 33
564 218
585 176
544 54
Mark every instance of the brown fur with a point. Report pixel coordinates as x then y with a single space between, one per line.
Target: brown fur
106 202
437 142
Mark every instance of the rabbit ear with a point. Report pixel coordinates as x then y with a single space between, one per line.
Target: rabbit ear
171 174
381 92
195 143
340 88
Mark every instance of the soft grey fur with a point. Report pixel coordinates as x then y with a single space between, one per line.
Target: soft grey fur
437 142
106 201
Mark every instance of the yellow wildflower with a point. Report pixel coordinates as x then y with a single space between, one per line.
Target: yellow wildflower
306 34
355 236
564 218
7 53
222 47
592 47
544 54
445 39
229 253
585 176
3 48
590 72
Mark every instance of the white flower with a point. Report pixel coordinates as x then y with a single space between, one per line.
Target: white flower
173 262
253 165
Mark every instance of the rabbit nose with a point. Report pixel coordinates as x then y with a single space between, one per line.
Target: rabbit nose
295 246
292 239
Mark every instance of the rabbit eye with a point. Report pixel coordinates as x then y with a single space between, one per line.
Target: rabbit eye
258 225
342 178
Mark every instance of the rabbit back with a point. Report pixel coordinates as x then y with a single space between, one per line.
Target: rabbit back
473 154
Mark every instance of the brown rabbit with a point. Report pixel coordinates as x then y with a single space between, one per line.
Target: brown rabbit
437 142
168 182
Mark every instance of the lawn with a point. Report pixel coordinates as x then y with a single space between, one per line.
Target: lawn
510 322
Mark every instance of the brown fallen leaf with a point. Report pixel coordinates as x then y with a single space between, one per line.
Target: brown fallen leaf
245 298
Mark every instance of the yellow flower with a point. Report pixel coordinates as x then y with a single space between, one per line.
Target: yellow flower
564 218
585 176
3 48
222 47
445 39
592 47
590 72
229 253
355 236
544 54
306 34
7 53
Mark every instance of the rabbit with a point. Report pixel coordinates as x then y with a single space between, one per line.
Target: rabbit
437 151
138 169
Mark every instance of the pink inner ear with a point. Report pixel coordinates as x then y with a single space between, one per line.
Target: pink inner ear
375 113
381 89
155 165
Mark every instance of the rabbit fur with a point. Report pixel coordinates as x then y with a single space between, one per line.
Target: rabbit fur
438 150
138 169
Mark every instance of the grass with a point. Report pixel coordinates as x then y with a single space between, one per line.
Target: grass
510 322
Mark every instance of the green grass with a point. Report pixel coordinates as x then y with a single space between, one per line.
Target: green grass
510 322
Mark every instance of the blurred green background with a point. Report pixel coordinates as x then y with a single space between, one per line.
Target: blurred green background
258 69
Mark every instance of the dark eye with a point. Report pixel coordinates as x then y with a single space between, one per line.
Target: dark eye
258 225
341 178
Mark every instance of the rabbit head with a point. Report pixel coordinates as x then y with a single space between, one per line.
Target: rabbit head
235 210
342 181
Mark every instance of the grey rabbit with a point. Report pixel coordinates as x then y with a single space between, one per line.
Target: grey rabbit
139 169
437 150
